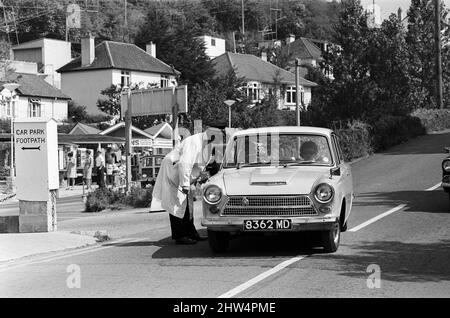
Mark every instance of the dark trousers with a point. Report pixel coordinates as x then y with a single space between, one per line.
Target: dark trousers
183 227
101 177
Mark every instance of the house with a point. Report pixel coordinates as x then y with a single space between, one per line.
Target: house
214 46
263 78
84 129
112 63
34 97
48 54
309 51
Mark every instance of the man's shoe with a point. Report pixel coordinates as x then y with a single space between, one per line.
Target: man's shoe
185 241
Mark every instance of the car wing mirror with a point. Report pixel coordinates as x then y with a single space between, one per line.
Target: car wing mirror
335 171
447 149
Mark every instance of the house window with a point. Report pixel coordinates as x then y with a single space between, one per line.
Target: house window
213 42
125 79
253 91
34 107
291 95
164 81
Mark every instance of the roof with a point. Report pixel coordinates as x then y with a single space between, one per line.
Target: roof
33 85
252 68
80 129
117 55
285 129
163 129
122 124
35 44
303 48
89 139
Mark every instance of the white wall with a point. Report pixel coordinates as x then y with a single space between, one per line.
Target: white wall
55 54
50 108
84 87
213 51
140 77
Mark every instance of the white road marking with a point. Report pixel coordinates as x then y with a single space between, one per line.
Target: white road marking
260 277
378 217
434 187
46 259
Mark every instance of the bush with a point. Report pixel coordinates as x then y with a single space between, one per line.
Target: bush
139 197
433 119
99 200
102 199
390 130
355 140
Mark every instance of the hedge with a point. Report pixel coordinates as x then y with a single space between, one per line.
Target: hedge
433 119
355 140
102 198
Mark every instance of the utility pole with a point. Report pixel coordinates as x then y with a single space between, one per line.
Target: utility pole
126 21
437 33
243 26
128 136
297 90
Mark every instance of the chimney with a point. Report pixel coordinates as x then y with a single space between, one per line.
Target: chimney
87 50
151 49
290 39
264 56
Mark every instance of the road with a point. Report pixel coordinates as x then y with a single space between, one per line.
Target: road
409 244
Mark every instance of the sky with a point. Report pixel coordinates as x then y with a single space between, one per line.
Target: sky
391 6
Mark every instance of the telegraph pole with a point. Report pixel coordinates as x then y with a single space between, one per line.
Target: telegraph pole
437 33
297 90
128 136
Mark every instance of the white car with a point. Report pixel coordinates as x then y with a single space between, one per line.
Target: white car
277 179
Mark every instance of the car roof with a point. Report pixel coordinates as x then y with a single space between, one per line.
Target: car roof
285 129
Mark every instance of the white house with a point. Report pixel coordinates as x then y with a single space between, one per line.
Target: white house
263 78
112 63
48 54
214 47
34 97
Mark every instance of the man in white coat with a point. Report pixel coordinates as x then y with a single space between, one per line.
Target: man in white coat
179 172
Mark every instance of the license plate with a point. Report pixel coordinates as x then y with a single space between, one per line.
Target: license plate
267 225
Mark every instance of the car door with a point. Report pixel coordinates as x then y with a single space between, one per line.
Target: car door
346 175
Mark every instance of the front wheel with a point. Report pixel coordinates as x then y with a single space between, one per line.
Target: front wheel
331 238
218 241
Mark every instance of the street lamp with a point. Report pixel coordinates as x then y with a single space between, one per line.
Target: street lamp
229 103
11 87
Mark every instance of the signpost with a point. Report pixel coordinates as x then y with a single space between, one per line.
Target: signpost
37 175
152 101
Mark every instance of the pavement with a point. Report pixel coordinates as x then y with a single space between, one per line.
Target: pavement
14 246
18 245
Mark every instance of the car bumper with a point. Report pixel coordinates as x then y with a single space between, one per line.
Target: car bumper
298 224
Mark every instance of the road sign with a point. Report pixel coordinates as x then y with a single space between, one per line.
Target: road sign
36 149
155 101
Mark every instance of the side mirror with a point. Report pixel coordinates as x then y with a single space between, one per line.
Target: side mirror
335 171
447 149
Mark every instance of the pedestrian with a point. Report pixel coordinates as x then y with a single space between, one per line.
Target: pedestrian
71 171
178 173
100 169
87 171
110 160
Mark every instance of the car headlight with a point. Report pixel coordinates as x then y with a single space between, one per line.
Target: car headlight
446 165
324 193
212 194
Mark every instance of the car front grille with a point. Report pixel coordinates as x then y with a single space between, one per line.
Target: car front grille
292 205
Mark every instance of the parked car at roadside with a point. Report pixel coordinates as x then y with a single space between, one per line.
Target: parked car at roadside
278 179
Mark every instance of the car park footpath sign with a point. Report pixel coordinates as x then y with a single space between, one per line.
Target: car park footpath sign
37 173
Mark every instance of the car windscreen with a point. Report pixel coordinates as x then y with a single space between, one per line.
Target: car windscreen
278 149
